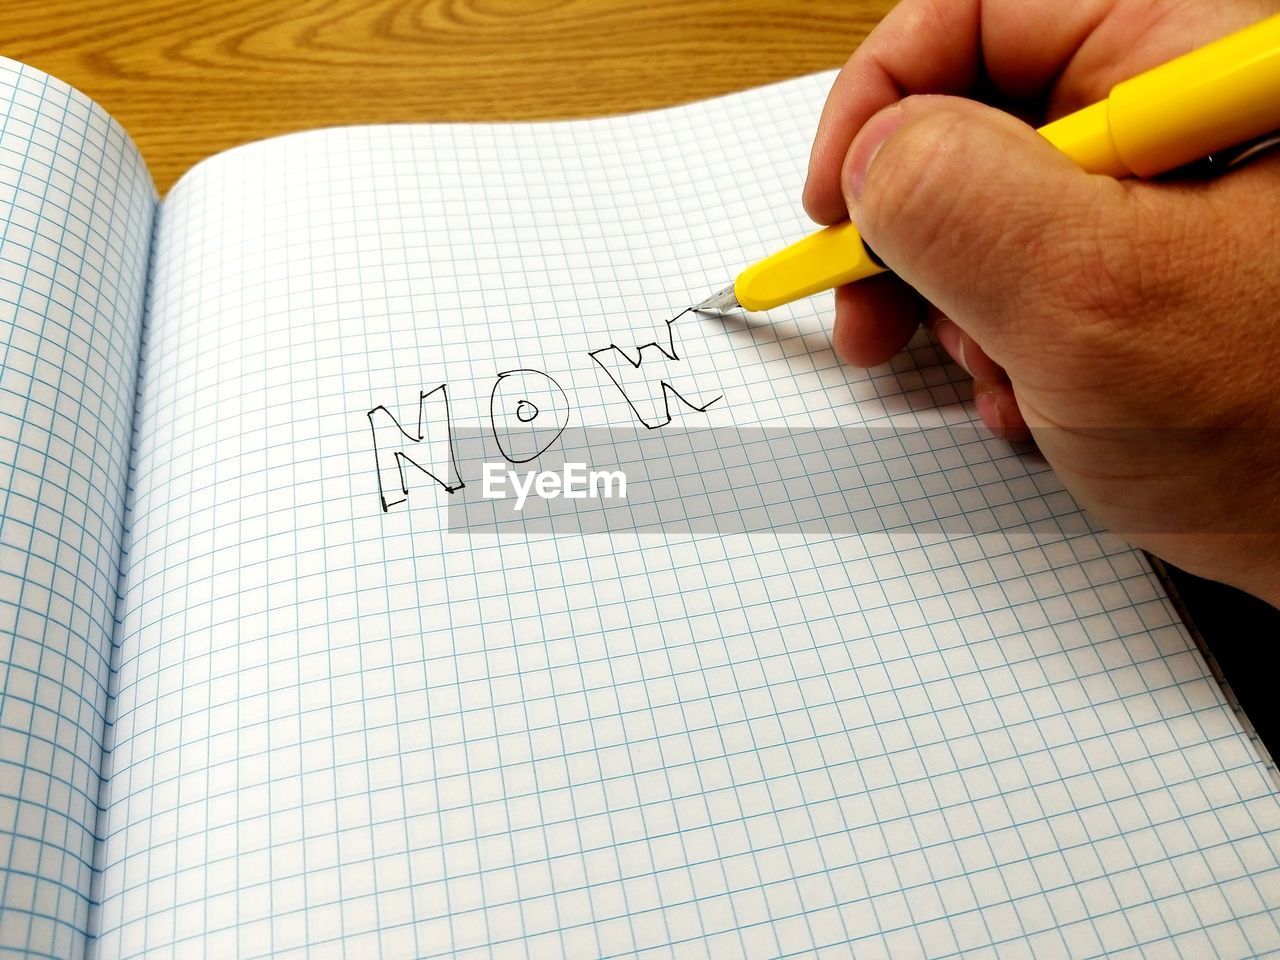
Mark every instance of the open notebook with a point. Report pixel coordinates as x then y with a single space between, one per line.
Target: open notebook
258 699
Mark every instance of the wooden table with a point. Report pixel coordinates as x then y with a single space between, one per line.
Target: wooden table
189 80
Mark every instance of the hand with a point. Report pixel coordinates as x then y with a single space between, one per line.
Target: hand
1130 327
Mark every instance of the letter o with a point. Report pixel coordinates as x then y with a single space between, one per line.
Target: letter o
528 411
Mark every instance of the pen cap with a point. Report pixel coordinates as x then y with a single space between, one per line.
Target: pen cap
1216 97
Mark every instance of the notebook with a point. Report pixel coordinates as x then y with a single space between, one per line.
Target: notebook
837 675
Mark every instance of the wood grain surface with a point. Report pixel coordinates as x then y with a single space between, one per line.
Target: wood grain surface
188 80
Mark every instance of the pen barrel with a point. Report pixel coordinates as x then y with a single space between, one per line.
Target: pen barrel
1215 97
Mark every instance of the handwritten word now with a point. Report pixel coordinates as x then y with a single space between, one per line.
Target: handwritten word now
528 410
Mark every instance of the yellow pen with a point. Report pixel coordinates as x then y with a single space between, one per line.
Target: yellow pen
1222 95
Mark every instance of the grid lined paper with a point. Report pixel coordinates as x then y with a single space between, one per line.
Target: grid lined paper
76 206
346 732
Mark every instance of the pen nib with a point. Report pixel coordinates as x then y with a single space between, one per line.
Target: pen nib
718 302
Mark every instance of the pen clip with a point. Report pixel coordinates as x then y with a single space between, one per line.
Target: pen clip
1222 161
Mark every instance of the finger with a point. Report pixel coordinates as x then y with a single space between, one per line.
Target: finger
998 407
964 350
940 46
919 46
874 320
1080 51
993 394
1134 37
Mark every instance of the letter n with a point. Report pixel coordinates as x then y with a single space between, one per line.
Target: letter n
430 450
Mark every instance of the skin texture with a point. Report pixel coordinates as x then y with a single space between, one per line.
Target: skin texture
1130 328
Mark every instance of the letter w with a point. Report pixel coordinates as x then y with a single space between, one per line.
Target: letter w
648 391
430 451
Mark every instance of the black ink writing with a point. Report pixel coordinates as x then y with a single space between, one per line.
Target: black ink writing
645 382
525 427
433 456
528 411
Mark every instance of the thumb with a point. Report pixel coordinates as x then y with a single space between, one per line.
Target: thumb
981 215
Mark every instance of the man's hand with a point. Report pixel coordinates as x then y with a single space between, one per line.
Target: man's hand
1131 327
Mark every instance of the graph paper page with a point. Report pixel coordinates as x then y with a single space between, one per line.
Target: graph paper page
76 205
346 730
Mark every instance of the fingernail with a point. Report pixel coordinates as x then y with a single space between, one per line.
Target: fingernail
988 405
952 340
864 149
999 411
